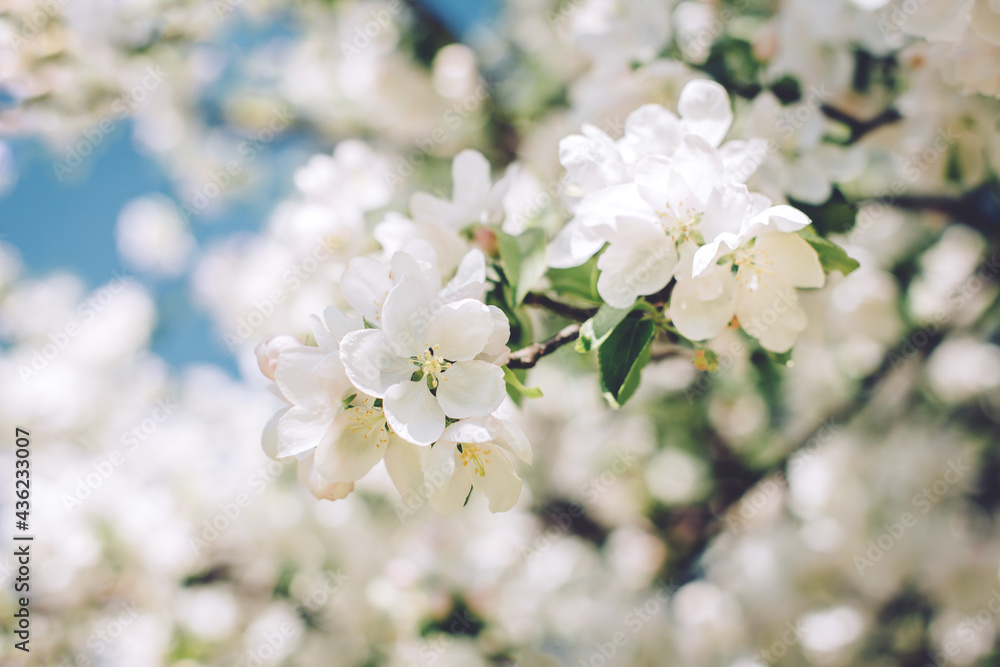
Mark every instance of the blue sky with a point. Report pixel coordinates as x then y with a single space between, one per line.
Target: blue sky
70 225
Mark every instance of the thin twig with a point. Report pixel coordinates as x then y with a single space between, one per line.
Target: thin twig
527 357
559 308
860 128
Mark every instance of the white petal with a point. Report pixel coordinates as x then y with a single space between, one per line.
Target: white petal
394 231
471 182
340 324
704 106
365 284
771 314
447 482
496 350
652 129
791 258
742 158
471 273
269 438
459 331
471 389
500 484
512 438
426 207
477 431
639 261
417 256
269 351
697 318
310 377
601 209
728 208
300 430
409 306
574 244
782 218
346 454
319 487
700 166
402 461
371 364
413 413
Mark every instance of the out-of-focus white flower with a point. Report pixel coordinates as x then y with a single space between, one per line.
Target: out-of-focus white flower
476 200
153 237
270 349
354 176
474 454
424 361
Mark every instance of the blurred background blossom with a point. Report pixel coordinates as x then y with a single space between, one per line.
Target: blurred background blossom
180 180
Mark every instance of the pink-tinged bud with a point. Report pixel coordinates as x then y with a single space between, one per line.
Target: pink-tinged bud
270 349
486 240
317 485
766 44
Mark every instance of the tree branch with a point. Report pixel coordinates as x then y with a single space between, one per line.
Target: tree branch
527 357
860 128
559 308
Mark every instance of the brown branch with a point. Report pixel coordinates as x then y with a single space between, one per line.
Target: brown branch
860 128
559 308
527 357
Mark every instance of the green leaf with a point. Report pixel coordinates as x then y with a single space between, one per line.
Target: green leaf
622 357
580 281
780 358
836 215
597 329
515 386
831 255
523 260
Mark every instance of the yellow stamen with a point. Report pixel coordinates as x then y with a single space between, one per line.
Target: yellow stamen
479 457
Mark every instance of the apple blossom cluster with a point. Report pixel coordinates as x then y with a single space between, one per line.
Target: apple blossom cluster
415 375
669 202
415 381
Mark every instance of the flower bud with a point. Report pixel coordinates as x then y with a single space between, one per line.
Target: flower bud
270 349
486 240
